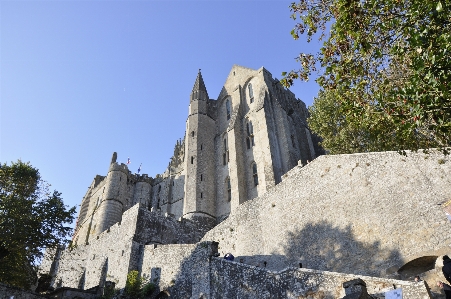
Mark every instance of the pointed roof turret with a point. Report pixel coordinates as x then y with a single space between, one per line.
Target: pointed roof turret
199 90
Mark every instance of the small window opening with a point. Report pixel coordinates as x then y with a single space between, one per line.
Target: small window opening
173 183
159 188
251 93
192 160
201 147
201 176
192 134
254 174
225 155
228 109
229 190
201 195
250 135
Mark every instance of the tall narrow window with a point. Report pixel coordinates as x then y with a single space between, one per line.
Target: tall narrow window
192 134
201 195
229 190
201 177
192 160
225 155
254 174
250 135
228 109
200 146
251 93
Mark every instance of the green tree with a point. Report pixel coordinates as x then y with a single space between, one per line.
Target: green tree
31 219
385 64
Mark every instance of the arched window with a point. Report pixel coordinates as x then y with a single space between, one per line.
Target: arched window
250 135
254 173
228 109
229 189
251 93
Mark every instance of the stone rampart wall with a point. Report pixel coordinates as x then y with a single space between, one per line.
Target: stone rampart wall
181 270
363 214
236 280
8 292
120 249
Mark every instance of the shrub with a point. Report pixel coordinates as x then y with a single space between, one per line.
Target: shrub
133 284
148 289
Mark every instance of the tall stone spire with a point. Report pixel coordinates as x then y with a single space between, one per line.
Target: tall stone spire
199 90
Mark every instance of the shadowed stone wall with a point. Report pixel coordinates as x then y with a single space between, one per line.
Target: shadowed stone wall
363 213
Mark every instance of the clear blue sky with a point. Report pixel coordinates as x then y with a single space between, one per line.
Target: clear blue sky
82 79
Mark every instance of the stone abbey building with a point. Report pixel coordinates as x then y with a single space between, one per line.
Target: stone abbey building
240 182
234 149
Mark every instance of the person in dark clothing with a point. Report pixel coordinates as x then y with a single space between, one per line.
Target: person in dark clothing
229 257
445 288
446 269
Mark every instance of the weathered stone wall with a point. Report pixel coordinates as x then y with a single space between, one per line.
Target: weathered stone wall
363 214
235 280
119 249
181 270
8 292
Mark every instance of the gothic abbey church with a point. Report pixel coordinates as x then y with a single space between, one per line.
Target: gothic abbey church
240 182
234 149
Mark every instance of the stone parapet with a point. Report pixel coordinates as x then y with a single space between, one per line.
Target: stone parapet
236 280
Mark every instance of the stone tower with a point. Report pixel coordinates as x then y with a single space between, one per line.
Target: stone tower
199 155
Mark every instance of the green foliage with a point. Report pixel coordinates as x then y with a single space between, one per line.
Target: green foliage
135 288
384 66
109 292
148 289
31 219
353 133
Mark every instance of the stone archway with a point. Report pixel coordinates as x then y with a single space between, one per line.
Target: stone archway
417 266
